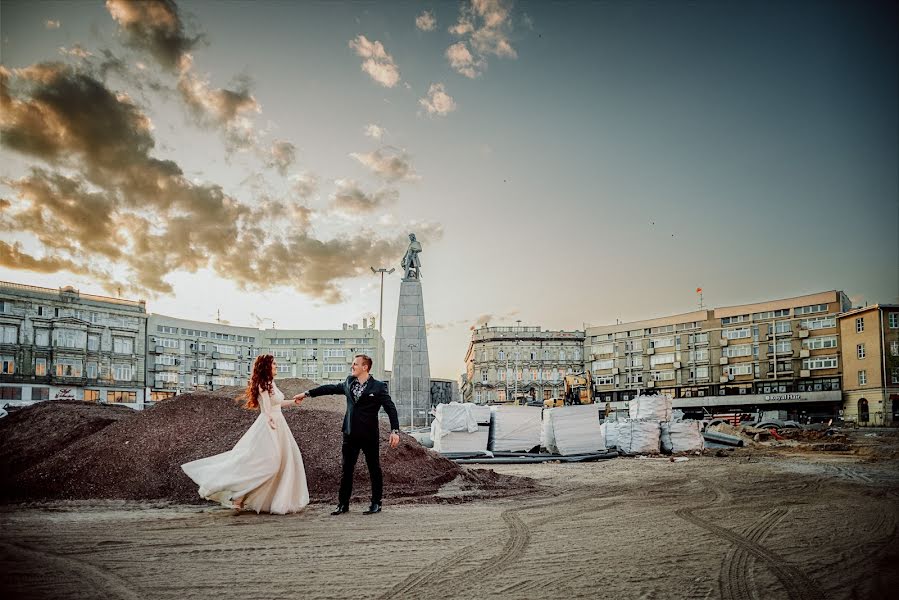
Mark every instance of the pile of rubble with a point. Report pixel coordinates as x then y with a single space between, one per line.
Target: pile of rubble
76 450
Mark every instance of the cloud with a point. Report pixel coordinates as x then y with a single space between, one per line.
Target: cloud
111 202
76 51
426 21
388 163
378 63
485 27
222 108
282 156
462 61
154 26
375 131
350 199
438 102
304 184
48 24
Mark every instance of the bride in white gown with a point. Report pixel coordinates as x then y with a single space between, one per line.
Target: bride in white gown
264 470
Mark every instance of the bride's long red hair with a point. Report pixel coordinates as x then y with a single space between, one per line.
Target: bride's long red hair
262 377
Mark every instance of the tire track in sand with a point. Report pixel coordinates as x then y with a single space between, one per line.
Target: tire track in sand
733 578
101 581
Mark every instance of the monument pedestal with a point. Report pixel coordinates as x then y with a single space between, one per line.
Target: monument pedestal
410 383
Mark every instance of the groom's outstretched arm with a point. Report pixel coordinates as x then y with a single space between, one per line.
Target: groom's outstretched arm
327 390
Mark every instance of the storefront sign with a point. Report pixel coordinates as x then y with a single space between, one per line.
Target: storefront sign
783 397
65 394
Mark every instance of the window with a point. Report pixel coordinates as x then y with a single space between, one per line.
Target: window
736 333
501 395
477 397
780 328
862 377
335 353
484 376
230 365
167 360
91 370
533 374
221 380
894 348
894 320
738 350
167 329
859 325
533 355
819 362
40 393
68 367
603 349
736 319
662 329
281 369
600 365
634 377
605 380
546 355
9 334
162 378
894 376
224 349
121 345
518 374
699 373
167 342
502 375
860 351
68 338
813 308
281 353
818 323
92 395
8 365
40 367
41 337
117 396
662 375
662 343
635 361
502 355
11 393
561 355
819 343
122 372
661 359
335 368
782 347
771 314
699 338
740 369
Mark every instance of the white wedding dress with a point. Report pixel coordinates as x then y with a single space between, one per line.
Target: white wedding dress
265 467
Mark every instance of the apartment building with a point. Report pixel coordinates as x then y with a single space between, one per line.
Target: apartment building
62 344
775 354
869 340
507 363
323 355
185 355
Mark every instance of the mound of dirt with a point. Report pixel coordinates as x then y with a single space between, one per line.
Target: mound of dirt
139 457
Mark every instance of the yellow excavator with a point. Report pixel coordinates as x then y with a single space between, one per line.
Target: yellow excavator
578 390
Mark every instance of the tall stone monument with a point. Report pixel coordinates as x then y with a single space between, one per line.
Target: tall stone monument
410 384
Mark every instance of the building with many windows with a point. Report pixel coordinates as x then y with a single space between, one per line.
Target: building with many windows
503 364
323 355
775 354
869 339
184 355
62 344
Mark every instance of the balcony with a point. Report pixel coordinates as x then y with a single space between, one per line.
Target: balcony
803 333
650 351
805 373
723 342
722 360
650 384
804 353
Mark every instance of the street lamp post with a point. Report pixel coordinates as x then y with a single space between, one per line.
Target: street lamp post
382 270
411 389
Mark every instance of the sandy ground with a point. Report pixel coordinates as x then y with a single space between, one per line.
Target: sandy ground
793 525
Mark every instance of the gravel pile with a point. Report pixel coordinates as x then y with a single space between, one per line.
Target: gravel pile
137 456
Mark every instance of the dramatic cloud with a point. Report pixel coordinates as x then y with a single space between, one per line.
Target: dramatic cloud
76 51
438 102
117 205
374 131
426 21
484 26
282 156
154 26
388 163
350 199
304 184
377 62
462 61
52 24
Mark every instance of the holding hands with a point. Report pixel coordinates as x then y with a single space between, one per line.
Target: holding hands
299 398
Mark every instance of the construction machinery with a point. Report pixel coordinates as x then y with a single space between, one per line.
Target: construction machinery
578 390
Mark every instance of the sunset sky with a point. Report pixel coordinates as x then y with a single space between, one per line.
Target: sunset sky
561 163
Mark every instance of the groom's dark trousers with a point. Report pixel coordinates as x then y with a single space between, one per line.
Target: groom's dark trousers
351 447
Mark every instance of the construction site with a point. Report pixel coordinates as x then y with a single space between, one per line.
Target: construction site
95 506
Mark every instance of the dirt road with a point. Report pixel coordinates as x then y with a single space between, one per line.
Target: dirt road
800 526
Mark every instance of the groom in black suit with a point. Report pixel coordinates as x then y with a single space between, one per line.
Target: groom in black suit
365 396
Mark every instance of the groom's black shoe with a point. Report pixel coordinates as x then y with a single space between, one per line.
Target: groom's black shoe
374 508
341 508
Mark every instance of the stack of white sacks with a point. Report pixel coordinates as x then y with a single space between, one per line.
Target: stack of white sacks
653 427
459 427
514 428
569 430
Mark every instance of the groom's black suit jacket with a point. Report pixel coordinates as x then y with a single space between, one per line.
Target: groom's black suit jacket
361 419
